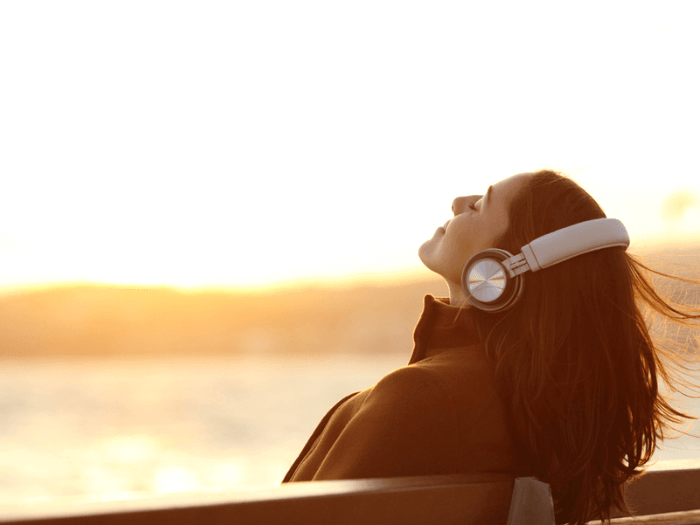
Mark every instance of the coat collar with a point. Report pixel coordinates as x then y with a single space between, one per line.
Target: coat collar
441 327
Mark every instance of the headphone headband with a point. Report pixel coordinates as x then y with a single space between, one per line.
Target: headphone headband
574 240
491 279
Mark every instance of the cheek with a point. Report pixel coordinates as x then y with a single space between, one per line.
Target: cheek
455 251
459 242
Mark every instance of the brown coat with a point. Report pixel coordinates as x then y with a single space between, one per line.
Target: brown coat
438 415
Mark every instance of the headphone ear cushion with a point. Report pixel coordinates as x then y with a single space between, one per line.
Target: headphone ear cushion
485 270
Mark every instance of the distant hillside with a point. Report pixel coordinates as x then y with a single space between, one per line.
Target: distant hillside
111 320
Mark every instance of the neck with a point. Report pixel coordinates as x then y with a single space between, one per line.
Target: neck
457 297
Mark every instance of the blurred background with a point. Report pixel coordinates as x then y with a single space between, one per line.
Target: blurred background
211 211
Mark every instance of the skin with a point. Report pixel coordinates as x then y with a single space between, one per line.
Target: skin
469 232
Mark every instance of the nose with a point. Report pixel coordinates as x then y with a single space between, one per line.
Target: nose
457 205
460 203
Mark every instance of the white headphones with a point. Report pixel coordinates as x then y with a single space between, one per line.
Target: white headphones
491 279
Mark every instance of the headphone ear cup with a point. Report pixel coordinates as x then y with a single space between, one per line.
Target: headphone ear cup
487 284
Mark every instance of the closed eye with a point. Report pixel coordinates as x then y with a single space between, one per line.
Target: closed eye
471 206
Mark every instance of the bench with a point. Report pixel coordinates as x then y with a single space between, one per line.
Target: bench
663 496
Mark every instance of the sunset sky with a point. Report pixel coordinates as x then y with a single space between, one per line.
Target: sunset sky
256 142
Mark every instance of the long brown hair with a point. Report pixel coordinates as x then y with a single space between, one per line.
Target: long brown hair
574 359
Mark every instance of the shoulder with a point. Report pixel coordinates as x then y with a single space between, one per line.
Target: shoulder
407 379
409 410
410 390
403 427
460 389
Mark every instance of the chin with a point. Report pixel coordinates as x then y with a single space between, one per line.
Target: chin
424 255
421 249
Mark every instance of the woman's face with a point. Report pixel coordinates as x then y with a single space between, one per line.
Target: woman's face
478 221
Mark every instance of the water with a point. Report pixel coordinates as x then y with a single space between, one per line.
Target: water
107 429
110 428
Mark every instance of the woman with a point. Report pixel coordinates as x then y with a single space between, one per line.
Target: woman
562 385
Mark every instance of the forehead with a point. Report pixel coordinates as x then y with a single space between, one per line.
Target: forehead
506 189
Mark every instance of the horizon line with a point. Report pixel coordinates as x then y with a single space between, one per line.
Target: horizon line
376 278
339 282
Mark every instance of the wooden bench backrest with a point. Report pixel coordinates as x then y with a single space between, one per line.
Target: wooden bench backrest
461 499
430 499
